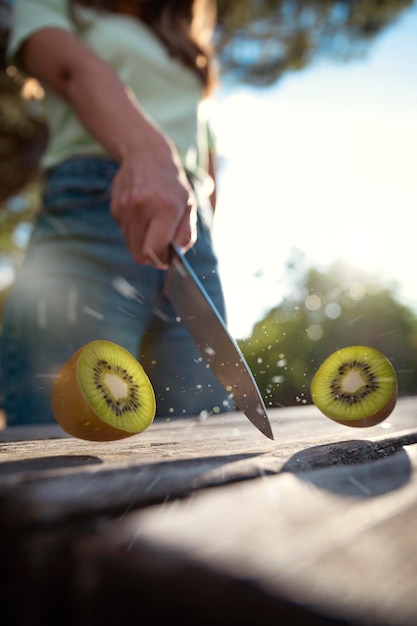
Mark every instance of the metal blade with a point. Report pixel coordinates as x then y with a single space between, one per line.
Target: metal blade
210 334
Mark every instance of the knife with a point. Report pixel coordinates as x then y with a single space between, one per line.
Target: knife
186 293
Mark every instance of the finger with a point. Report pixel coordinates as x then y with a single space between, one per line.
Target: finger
186 233
157 242
156 261
119 203
133 221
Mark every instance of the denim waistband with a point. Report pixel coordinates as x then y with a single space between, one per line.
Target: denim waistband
83 166
104 167
94 175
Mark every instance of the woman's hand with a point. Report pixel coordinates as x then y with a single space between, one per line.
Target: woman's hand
152 200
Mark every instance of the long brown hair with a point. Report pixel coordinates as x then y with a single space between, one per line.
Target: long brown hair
184 26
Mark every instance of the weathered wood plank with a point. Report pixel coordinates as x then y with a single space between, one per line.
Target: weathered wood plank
46 479
324 532
340 540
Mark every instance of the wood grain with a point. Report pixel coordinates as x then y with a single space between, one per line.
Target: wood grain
318 525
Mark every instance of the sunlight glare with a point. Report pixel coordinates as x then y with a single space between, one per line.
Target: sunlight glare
322 162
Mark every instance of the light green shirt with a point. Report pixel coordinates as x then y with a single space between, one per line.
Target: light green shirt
167 91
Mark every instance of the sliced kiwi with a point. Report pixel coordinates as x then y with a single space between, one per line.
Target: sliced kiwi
102 393
355 386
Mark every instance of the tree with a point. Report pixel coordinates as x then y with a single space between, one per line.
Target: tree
23 136
327 311
23 131
259 40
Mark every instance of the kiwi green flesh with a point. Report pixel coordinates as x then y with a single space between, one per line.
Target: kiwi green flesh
356 386
116 386
371 420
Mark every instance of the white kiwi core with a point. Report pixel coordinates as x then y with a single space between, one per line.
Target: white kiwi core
117 387
353 381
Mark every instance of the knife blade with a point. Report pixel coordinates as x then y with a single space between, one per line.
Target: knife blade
208 330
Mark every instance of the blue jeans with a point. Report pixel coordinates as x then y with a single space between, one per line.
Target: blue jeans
78 283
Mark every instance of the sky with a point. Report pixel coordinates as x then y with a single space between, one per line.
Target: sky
325 161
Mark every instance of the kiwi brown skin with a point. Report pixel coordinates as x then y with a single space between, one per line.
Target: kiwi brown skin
74 413
327 380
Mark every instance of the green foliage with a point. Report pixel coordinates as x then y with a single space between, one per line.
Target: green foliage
16 217
23 133
328 311
17 211
260 40
6 16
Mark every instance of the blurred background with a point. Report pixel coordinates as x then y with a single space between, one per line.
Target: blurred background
316 125
321 162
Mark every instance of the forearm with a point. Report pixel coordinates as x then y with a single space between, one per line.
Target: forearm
109 112
151 197
103 105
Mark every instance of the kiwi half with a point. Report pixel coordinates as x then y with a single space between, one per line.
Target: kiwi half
102 393
355 386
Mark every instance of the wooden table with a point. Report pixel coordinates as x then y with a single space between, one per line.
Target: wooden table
209 522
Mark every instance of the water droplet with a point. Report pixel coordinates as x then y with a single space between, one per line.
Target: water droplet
315 332
313 302
333 310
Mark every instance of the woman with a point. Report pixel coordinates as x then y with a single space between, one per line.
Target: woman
126 173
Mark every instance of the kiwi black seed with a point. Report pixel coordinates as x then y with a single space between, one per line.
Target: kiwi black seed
355 386
102 393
